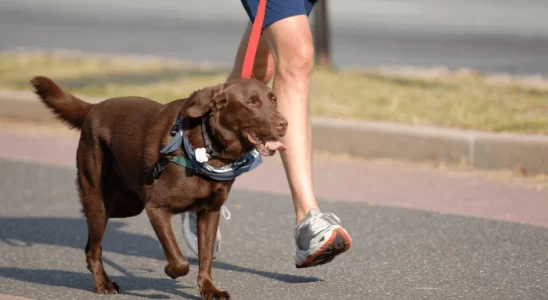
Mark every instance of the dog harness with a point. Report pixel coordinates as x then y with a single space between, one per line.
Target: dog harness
246 163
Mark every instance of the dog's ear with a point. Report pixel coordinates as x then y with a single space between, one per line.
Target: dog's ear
204 100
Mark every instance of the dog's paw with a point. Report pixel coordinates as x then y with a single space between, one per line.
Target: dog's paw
107 287
174 271
215 295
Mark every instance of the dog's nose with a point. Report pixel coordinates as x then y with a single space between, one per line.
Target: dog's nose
281 126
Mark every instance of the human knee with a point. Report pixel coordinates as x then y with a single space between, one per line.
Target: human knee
298 61
263 70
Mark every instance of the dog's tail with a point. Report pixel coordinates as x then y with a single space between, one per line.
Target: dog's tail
65 106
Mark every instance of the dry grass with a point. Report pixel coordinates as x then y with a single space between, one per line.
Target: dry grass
450 99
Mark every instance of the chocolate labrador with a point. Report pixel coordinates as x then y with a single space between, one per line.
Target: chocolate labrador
120 149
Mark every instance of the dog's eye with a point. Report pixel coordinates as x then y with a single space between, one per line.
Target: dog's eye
273 99
254 101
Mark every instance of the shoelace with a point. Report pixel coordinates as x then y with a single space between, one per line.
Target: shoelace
332 217
320 222
225 212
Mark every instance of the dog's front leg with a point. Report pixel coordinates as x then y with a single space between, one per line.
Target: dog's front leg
161 222
208 221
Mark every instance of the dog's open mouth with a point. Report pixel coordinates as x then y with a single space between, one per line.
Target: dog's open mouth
267 147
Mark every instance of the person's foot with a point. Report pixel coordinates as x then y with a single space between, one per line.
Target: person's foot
319 237
190 231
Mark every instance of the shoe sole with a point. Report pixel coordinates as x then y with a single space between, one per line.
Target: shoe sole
338 243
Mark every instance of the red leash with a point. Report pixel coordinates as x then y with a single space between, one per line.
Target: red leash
253 43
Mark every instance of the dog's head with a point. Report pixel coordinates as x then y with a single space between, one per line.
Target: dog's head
243 115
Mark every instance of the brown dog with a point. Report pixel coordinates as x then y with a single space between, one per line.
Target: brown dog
120 144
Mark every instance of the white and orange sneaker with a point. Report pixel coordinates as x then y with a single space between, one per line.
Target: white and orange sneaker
319 237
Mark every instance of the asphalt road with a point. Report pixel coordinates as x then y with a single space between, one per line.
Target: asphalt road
492 36
397 253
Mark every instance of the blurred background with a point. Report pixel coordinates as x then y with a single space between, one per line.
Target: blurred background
487 35
433 213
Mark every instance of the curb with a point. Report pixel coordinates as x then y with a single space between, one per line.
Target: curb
484 150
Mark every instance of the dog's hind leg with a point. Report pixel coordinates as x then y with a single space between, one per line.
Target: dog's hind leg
90 160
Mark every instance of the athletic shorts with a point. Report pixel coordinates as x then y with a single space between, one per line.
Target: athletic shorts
279 9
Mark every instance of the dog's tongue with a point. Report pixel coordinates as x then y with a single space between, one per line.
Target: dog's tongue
275 145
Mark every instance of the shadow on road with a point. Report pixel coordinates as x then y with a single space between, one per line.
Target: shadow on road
83 281
72 233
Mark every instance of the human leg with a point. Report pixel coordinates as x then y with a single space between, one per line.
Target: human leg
293 55
319 237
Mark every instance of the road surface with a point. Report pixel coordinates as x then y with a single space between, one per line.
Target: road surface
417 234
492 36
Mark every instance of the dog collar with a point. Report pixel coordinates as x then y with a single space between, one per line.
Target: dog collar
207 141
246 163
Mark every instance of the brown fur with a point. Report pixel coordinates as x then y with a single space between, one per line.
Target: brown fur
119 145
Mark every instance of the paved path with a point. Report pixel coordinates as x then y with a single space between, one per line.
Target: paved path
490 35
335 179
413 231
